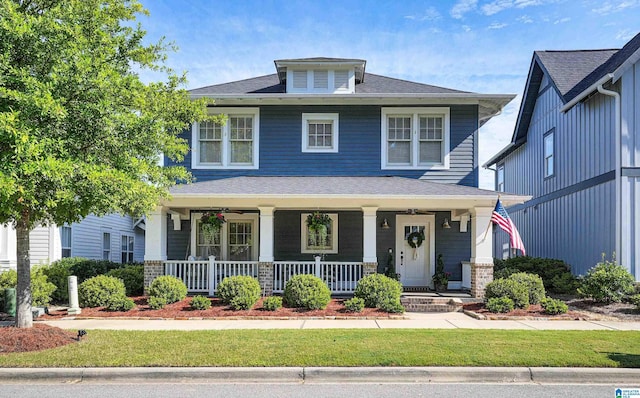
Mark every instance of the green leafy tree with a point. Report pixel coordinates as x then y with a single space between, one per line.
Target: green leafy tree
80 131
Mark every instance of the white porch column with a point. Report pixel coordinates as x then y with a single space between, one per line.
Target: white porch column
369 227
266 234
155 245
481 250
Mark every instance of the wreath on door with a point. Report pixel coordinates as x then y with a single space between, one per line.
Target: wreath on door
415 239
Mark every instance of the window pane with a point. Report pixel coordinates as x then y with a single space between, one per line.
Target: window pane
123 244
341 79
241 152
66 252
430 152
399 152
549 166
65 237
399 128
548 145
131 244
210 152
106 240
320 134
320 79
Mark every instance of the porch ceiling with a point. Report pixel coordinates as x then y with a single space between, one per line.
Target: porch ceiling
334 192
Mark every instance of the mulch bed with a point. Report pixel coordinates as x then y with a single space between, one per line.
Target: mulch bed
39 337
533 312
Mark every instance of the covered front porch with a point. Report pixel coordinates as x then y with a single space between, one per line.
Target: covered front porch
377 224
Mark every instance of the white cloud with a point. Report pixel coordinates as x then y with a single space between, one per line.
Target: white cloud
611 7
527 3
625 35
430 14
561 20
496 25
496 6
524 19
462 7
466 28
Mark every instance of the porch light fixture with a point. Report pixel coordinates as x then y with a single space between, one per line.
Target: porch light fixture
385 224
445 224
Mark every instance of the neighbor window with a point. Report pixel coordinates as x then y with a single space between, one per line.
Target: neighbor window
230 145
106 246
549 149
500 179
320 132
317 242
127 248
65 240
415 138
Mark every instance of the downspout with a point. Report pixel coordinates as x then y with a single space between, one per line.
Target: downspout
618 181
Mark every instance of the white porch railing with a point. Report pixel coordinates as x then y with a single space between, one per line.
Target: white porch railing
340 277
202 276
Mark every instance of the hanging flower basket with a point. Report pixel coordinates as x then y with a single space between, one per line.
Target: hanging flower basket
318 224
211 224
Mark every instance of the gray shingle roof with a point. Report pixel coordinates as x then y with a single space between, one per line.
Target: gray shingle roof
327 186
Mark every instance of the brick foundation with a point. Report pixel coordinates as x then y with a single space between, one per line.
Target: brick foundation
481 275
265 277
152 270
369 268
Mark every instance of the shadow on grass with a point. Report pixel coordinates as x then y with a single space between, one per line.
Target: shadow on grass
625 360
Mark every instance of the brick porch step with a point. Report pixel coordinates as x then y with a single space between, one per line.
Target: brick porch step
431 304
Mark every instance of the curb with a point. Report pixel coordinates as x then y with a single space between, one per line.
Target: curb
296 375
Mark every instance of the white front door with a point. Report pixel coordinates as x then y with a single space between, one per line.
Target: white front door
415 265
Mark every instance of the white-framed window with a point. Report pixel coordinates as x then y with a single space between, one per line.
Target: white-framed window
415 138
320 132
500 178
126 248
233 145
65 240
549 150
106 246
236 240
313 242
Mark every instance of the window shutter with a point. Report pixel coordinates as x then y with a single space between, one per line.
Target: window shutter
299 79
341 79
320 79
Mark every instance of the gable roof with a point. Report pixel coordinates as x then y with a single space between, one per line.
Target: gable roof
574 75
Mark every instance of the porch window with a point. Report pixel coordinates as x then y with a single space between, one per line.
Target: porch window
65 240
207 245
319 132
240 240
236 240
127 244
415 138
231 145
311 242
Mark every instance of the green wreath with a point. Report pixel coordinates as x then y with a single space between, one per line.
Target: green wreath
418 237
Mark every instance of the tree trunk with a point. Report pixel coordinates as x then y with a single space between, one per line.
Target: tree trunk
24 317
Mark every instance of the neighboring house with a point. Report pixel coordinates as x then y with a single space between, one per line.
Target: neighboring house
383 158
112 237
576 150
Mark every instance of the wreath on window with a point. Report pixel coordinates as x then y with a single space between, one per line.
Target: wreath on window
415 239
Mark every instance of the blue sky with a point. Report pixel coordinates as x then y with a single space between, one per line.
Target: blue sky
472 45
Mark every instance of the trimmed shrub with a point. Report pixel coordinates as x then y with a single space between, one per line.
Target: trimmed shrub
355 304
200 303
41 288
133 277
499 304
58 273
556 274
84 268
8 279
504 273
553 306
156 302
379 291
635 300
534 285
239 292
120 303
607 282
514 290
272 303
391 306
168 287
96 291
307 291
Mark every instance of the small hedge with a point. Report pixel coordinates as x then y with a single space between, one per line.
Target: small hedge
500 304
510 288
156 302
554 306
534 285
607 282
380 291
307 291
133 277
41 289
556 274
96 291
272 303
355 304
168 287
120 303
635 300
239 292
200 303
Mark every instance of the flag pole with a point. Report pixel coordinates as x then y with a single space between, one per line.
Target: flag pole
490 222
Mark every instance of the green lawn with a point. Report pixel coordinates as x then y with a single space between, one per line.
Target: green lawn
343 347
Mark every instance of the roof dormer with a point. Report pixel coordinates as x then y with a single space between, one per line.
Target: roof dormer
321 75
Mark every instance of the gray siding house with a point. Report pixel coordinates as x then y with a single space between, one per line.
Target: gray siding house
576 151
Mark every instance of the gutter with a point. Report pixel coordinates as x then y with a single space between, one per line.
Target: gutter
618 149
595 86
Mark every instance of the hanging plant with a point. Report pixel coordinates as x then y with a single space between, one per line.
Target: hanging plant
318 225
415 239
211 224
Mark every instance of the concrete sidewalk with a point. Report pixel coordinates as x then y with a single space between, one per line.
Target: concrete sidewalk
449 320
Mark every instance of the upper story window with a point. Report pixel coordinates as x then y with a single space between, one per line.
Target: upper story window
65 240
321 81
415 138
319 132
549 154
500 179
233 145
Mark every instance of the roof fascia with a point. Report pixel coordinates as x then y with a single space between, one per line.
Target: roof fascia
585 93
617 74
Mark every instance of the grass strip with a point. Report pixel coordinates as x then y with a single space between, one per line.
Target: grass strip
341 347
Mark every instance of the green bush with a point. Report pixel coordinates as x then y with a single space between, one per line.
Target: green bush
200 303
84 268
96 291
380 291
168 287
355 304
556 274
272 303
41 288
156 302
499 304
307 291
635 300
8 279
553 306
133 277
514 290
58 273
607 282
239 292
534 285
120 303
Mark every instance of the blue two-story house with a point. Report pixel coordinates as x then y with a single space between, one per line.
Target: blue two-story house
392 165
576 151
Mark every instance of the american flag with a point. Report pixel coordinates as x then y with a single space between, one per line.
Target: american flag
501 218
